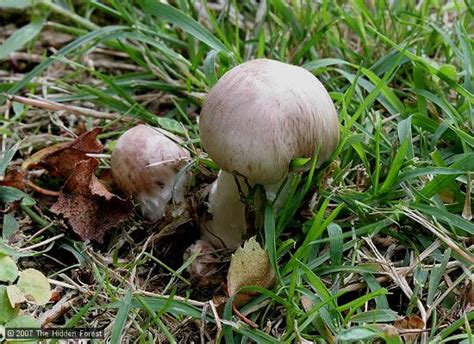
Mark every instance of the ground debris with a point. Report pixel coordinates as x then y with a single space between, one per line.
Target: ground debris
62 161
408 326
88 206
249 265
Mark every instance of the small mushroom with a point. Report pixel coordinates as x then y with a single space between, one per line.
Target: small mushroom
205 270
257 118
146 164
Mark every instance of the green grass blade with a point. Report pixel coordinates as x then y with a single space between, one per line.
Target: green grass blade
121 318
99 34
335 244
188 24
19 39
156 319
445 217
7 156
374 316
395 167
426 64
466 163
435 278
17 4
270 237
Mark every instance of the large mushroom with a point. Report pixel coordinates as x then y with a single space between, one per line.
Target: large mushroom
147 164
257 118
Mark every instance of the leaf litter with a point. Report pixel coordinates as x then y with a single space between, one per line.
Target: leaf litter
249 266
88 206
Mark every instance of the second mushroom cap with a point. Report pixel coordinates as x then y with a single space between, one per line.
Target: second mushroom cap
146 164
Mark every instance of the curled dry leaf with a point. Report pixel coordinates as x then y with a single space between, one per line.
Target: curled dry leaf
307 303
62 162
250 265
88 206
34 160
18 179
411 322
84 201
60 159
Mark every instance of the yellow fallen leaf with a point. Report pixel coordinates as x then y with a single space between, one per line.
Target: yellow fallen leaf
15 295
249 266
34 286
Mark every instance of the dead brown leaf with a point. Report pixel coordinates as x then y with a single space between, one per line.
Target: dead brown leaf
384 241
411 322
249 265
18 179
307 303
62 160
447 196
34 160
14 178
88 206
219 302
467 297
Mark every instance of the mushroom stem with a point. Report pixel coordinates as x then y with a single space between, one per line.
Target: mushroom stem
228 223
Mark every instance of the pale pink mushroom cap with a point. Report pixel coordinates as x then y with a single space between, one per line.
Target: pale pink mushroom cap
262 114
153 187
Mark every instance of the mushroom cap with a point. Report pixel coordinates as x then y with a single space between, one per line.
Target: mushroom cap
151 186
262 114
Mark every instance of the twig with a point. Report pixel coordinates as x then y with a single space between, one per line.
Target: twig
361 285
117 65
41 190
35 58
174 297
243 317
417 330
216 315
69 286
443 237
170 161
98 155
42 243
41 231
58 310
8 106
398 279
54 106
